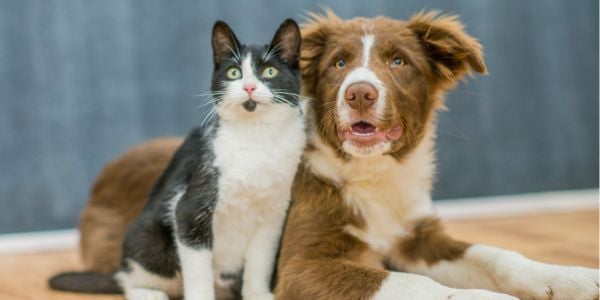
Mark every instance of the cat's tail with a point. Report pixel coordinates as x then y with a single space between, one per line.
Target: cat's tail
85 282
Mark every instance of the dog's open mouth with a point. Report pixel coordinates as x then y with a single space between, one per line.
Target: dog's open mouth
363 128
366 133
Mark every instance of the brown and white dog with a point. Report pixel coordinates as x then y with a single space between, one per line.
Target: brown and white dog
362 208
362 225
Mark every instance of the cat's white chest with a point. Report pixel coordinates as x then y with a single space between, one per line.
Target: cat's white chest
256 167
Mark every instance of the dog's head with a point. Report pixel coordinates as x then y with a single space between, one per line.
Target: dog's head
375 83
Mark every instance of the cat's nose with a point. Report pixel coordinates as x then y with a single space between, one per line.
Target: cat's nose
249 88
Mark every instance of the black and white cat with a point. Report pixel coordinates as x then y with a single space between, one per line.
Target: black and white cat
216 214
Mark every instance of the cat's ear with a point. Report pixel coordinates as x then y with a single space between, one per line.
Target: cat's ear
224 42
286 42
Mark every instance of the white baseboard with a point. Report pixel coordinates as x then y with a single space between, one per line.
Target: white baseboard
470 208
38 241
515 205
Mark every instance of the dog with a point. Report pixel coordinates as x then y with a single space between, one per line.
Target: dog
117 197
361 224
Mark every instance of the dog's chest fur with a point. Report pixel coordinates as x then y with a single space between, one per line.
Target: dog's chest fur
387 194
256 164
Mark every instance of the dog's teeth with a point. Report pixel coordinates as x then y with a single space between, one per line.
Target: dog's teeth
363 134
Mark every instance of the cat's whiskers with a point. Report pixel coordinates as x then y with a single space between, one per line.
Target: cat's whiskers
212 101
276 91
210 98
210 94
236 53
209 116
285 101
269 53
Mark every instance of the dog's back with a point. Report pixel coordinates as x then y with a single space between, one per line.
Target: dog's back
118 195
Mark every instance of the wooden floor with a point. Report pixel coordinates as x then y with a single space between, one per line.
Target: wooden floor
570 238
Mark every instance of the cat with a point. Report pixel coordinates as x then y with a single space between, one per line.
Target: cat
215 216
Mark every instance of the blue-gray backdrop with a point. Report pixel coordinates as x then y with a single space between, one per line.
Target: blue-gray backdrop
80 81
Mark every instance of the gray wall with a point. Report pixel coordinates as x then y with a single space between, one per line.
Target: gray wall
80 81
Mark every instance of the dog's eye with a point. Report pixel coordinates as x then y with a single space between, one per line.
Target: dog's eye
234 73
397 61
340 64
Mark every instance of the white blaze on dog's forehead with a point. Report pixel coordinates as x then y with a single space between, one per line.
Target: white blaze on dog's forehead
248 71
367 41
346 115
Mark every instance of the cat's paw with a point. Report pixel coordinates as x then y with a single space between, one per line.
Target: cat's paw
261 296
146 294
473 294
544 281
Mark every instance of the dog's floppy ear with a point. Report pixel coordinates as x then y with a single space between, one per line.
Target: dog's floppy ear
286 42
315 34
451 51
224 42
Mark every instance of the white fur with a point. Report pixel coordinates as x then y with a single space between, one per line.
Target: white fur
248 76
509 272
346 114
260 261
138 283
231 107
172 203
196 269
360 74
367 41
255 187
411 286
390 194
386 193
257 154
146 294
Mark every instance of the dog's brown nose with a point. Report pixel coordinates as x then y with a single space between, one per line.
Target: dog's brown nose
361 95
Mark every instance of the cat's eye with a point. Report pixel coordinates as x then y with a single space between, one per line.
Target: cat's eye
269 72
234 73
397 61
340 64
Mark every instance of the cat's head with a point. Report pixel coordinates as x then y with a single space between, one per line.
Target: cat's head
256 81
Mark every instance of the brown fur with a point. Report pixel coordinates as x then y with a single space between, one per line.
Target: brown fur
317 252
319 258
118 195
430 243
437 54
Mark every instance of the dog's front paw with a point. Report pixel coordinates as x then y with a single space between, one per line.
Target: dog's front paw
544 281
473 294
261 296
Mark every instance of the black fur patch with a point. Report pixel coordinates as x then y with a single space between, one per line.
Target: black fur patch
150 238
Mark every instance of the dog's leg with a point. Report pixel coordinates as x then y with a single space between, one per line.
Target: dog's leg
432 253
332 279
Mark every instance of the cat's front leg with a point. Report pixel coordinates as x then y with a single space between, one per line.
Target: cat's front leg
193 228
196 270
260 261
